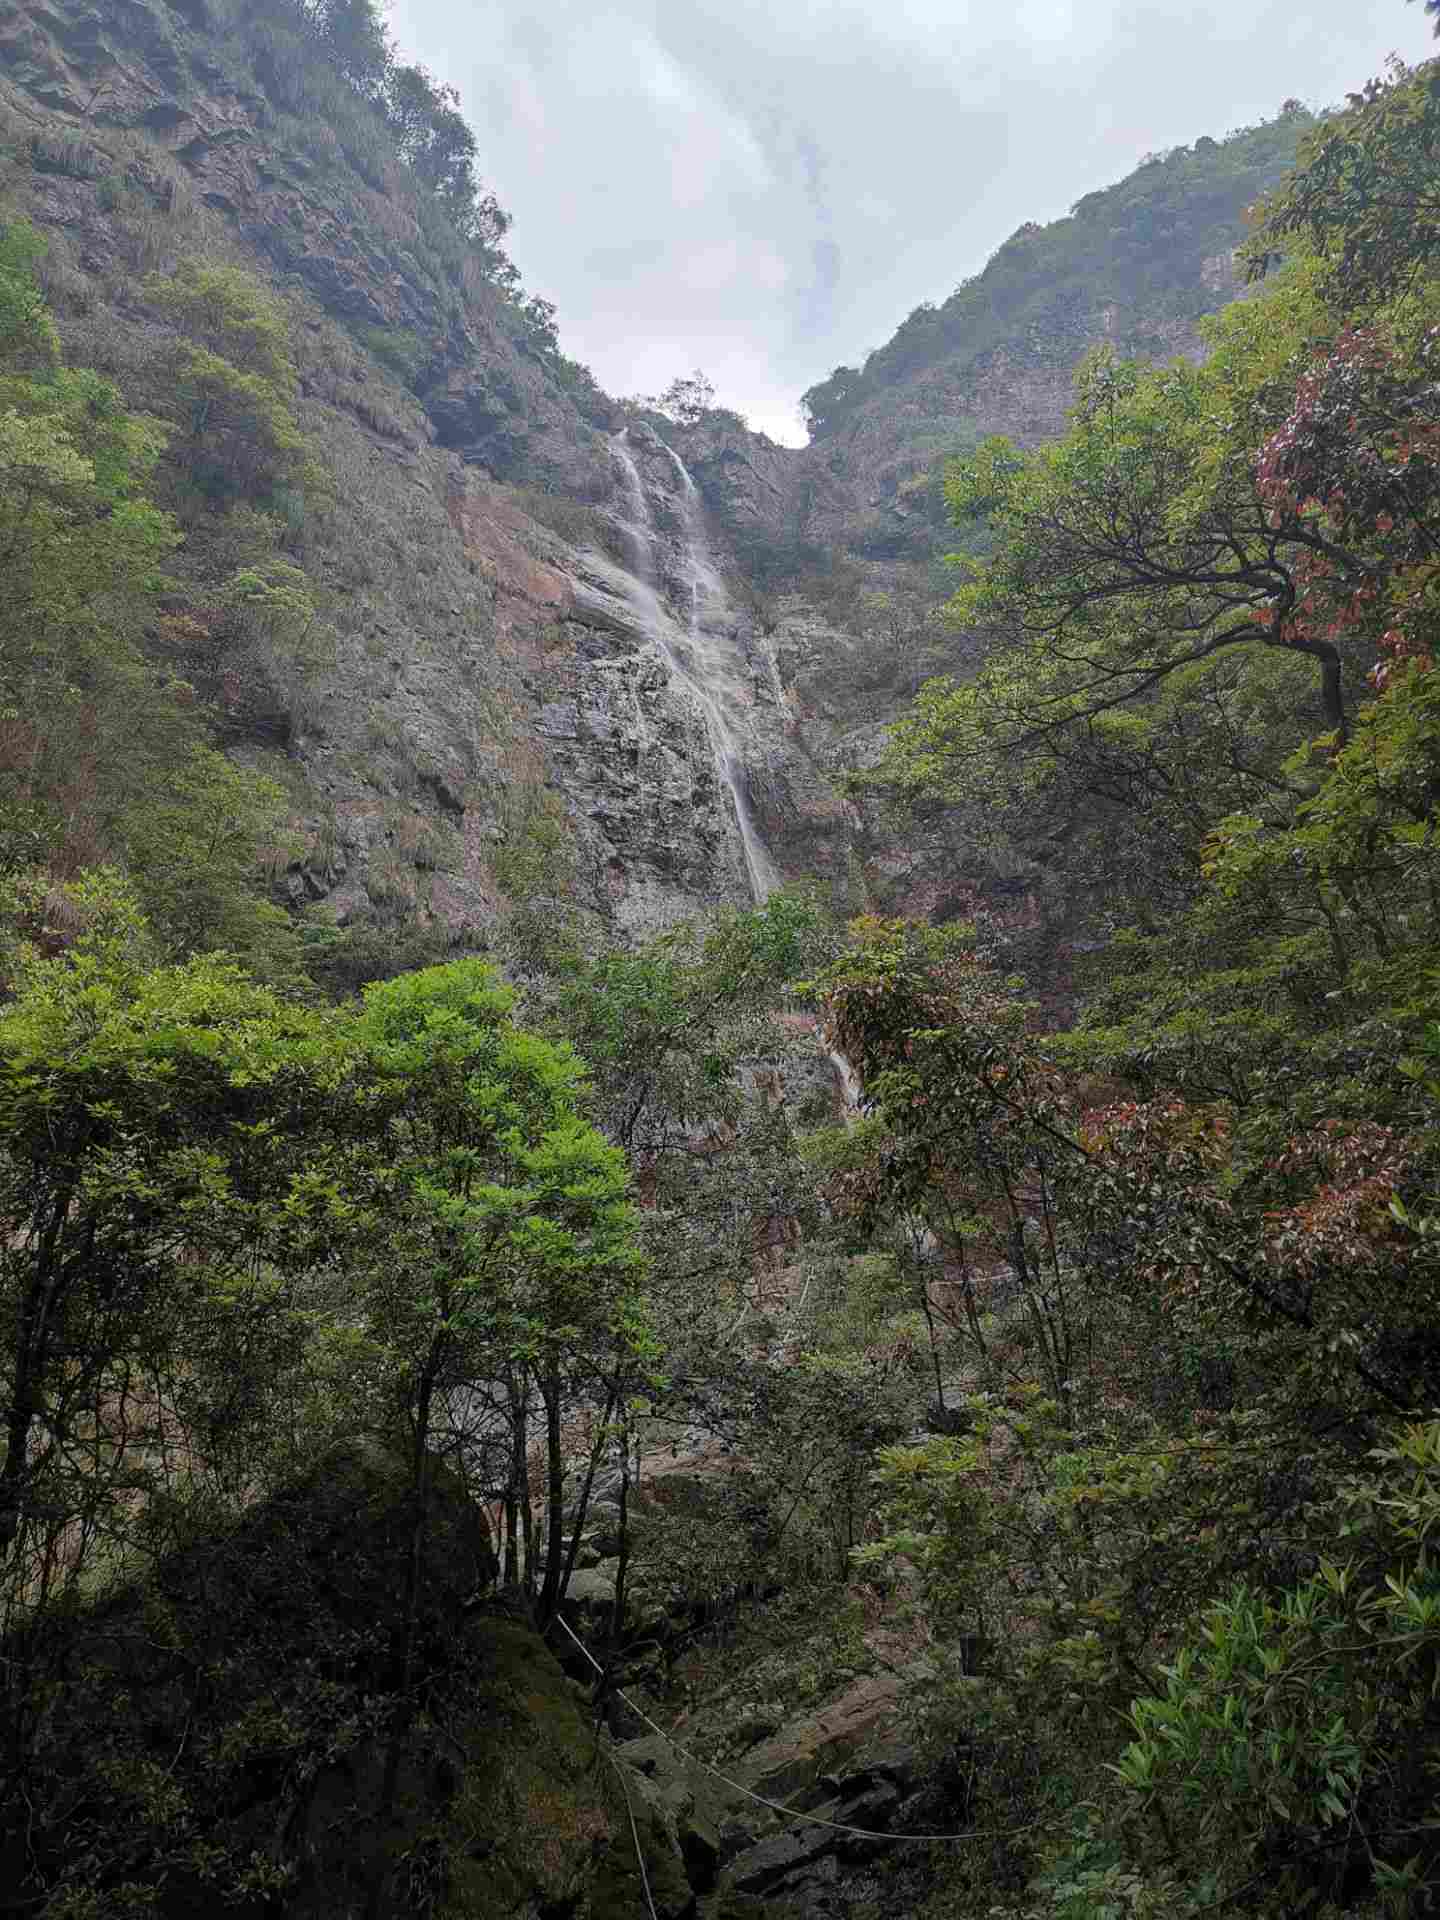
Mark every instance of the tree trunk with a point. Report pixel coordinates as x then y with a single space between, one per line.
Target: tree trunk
511 1574
405 1701
582 1505
617 1617
522 1486
1332 691
34 1335
554 1497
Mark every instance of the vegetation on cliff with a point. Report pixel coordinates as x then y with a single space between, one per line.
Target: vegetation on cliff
1132 246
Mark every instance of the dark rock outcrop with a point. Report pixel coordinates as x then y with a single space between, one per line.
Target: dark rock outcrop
231 1736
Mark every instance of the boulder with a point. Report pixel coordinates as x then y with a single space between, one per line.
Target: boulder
590 1588
602 1524
784 1859
796 1756
243 1733
871 1810
707 1818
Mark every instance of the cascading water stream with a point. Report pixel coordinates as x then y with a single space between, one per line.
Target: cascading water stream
850 1088
639 526
707 667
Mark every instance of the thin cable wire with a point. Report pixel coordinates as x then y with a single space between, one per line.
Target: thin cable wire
794 1813
635 1836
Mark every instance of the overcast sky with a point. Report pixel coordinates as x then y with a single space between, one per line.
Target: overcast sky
765 188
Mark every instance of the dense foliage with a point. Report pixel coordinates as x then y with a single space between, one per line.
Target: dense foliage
236 1230
1097 1349
1179 1257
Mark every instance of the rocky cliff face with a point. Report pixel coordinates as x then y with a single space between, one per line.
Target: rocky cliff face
844 536
533 658
625 669
170 100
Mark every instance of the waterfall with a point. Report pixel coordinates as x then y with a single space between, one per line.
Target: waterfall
638 526
849 1082
705 662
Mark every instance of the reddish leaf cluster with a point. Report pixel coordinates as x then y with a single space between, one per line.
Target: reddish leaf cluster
1348 1176
1355 469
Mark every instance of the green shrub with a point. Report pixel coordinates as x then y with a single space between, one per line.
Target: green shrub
397 348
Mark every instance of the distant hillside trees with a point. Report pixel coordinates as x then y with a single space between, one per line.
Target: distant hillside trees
1141 241
420 116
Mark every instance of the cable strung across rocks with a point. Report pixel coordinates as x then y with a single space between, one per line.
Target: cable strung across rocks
794 1813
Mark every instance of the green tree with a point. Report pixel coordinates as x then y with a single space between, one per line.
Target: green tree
969 1141
687 399
1211 621
666 1026
353 35
26 328
156 1189
1363 195
234 384
436 143
1308 949
104 748
199 844
1291 1749
273 637
509 1246
1197 578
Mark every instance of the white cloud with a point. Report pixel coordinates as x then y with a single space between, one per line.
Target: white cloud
765 188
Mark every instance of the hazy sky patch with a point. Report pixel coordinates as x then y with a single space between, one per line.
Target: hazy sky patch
765 188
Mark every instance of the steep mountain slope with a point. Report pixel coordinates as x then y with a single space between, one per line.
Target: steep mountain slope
500 718
1134 266
556 663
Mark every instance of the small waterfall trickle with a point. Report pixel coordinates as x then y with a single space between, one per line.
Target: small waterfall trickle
849 1082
